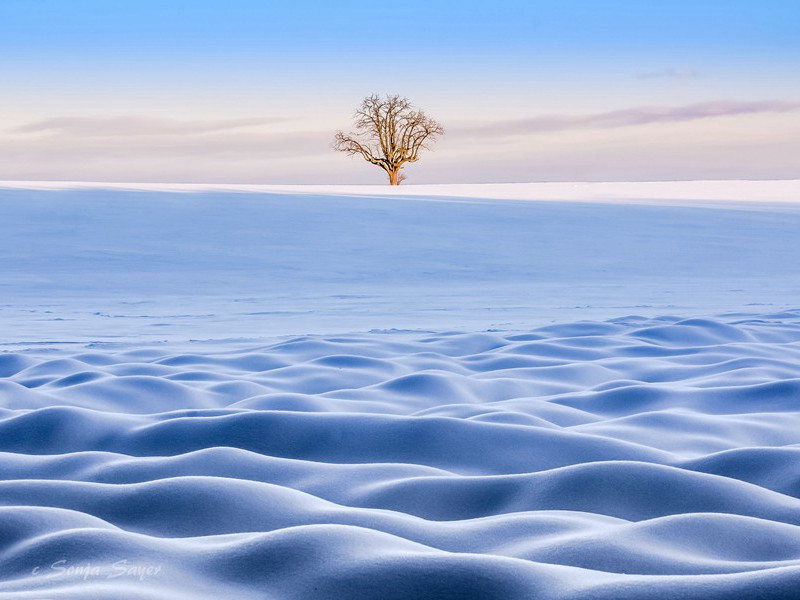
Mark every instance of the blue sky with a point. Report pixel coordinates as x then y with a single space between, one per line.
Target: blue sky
246 90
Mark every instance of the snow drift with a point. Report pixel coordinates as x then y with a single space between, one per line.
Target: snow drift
516 416
635 458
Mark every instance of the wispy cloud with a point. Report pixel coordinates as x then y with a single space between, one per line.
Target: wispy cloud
669 73
221 146
623 118
135 126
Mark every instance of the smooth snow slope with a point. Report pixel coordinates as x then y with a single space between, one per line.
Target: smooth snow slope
632 459
83 265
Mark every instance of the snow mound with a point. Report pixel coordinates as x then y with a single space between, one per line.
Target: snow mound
629 459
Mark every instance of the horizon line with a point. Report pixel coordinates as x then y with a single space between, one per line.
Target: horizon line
692 193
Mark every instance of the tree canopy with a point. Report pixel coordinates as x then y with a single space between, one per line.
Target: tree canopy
389 132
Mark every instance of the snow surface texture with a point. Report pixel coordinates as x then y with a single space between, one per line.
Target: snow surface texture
606 456
630 459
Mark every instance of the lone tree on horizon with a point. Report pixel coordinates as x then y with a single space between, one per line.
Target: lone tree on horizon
389 132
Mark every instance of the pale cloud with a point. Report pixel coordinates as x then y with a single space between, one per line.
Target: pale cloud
137 126
230 156
669 73
223 146
629 117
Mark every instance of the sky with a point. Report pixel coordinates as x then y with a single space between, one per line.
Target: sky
252 91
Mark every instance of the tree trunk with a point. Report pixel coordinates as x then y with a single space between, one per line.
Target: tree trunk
393 180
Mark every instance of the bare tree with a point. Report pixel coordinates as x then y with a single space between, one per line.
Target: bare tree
389 132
